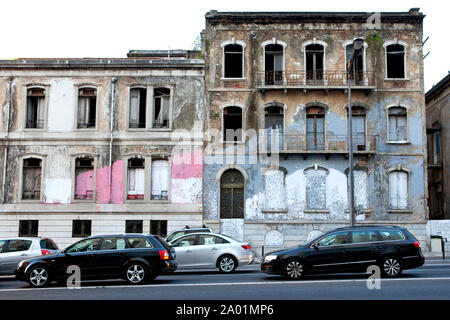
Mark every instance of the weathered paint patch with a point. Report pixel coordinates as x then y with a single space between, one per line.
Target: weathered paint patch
274 238
61 107
186 190
84 185
104 194
187 165
57 190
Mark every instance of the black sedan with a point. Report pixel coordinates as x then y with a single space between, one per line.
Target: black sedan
135 258
349 249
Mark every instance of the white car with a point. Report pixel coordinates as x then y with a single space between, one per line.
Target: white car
14 250
211 250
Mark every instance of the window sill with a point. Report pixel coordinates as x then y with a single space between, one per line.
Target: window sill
82 201
316 211
233 79
400 211
398 142
396 79
274 211
160 129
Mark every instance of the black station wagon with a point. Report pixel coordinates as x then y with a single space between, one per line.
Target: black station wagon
135 258
349 249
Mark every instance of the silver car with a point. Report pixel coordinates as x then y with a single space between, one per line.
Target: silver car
14 250
211 250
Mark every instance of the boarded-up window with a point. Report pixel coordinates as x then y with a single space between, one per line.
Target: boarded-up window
138 106
233 55
395 61
87 106
160 179
161 105
397 124
274 193
360 179
136 179
316 188
398 189
31 179
84 178
232 195
35 108
232 124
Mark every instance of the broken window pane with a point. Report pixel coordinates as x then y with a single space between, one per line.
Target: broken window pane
35 108
233 55
160 179
87 104
136 179
31 179
397 124
398 189
84 179
232 124
161 104
138 106
314 62
316 189
357 63
395 61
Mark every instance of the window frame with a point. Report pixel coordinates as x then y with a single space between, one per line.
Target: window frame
139 224
324 45
126 178
269 42
148 95
405 64
316 210
388 138
233 41
364 58
78 88
30 226
94 158
46 88
83 233
21 177
400 168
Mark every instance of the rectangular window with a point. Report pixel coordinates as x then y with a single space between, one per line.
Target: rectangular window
160 179
87 105
397 124
395 61
84 179
233 61
35 108
398 189
133 226
158 227
161 105
136 179
138 107
113 243
316 189
31 179
364 236
232 124
28 228
81 228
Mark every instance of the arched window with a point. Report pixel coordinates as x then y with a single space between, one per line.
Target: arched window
232 195
397 123
395 61
314 54
273 63
274 125
315 128
232 124
84 178
233 61
31 179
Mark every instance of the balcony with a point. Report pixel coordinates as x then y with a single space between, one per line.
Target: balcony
320 144
317 80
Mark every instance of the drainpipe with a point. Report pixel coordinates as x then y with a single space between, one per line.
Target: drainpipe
111 136
8 113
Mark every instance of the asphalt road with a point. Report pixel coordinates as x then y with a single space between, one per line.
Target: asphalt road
429 282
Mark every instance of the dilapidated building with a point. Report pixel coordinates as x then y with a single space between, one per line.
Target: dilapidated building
276 149
95 146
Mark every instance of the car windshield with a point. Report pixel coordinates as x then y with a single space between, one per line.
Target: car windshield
48 244
175 235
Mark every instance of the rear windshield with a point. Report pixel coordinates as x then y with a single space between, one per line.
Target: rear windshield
48 244
163 242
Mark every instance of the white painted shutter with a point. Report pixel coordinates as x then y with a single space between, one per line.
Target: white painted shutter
160 177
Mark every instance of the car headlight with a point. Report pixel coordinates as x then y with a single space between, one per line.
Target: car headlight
270 257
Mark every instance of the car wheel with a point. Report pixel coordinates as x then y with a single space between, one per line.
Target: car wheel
136 273
38 276
227 264
293 269
391 267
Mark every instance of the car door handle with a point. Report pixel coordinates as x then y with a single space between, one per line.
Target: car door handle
188 251
214 248
24 255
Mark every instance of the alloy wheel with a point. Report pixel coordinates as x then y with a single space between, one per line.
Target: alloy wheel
294 269
227 264
38 277
392 267
135 273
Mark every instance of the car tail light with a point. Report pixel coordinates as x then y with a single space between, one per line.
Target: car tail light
246 246
417 244
164 255
44 252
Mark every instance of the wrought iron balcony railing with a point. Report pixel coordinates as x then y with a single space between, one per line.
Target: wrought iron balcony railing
328 78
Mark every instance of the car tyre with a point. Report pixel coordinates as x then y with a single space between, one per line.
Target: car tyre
227 264
38 276
293 269
391 267
136 273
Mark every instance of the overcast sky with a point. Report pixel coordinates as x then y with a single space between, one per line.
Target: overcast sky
94 28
